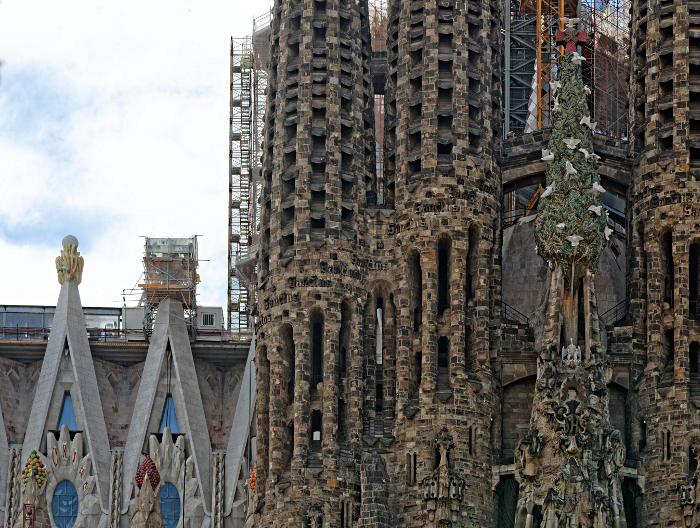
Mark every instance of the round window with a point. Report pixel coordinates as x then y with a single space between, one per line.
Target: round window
169 505
65 504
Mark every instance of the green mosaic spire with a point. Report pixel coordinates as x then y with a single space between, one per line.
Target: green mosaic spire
571 223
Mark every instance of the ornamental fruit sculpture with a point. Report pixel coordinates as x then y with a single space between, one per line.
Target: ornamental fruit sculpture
571 228
148 467
252 478
34 468
69 264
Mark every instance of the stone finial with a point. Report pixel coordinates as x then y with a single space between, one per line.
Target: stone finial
69 264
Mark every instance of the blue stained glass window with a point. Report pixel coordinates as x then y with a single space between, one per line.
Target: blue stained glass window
169 416
67 414
65 504
169 505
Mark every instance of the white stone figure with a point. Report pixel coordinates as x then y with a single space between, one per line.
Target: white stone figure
547 156
592 125
577 59
561 226
586 154
549 190
607 232
574 239
597 188
595 209
585 120
571 172
379 336
595 157
586 90
571 143
557 106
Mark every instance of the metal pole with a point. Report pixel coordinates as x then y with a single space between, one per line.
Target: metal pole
507 14
539 63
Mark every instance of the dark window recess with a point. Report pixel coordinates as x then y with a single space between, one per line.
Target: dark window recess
316 350
443 350
379 402
694 357
443 275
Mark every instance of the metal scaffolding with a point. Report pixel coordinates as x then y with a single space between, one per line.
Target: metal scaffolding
520 65
169 271
249 57
531 54
240 171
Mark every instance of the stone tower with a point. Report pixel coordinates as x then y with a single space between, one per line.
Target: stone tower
441 122
318 173
663 226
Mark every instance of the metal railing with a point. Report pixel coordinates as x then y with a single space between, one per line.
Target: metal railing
105 335
510 313
616 314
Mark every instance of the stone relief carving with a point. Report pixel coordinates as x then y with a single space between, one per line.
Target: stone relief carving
66 462
443 489
689 494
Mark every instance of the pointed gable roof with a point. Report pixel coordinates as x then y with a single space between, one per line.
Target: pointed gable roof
169 327
69 328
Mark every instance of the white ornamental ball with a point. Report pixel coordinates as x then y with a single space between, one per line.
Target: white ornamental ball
70 239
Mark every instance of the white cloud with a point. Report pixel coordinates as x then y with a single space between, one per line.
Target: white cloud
120 130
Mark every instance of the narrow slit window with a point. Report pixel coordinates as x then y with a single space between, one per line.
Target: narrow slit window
68 414
169 417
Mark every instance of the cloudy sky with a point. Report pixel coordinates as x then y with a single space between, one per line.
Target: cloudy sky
113 126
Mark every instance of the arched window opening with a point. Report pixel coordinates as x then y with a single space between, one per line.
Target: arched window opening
64 504
667 267
643 436
668 346
472 256
415 285
289 443
170 505
316 427
416 372
443 349
694 277
692 462
169 417
288 354
694 359
443 380
444 246
380 331
345 324
68 414
316 321
379 402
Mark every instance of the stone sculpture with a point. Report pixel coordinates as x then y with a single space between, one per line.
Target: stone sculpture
147 505
444 487
69 264
568 464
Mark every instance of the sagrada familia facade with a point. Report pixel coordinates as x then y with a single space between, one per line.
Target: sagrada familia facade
388 378
388 383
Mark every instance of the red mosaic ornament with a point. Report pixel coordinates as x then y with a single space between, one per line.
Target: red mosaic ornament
148 467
